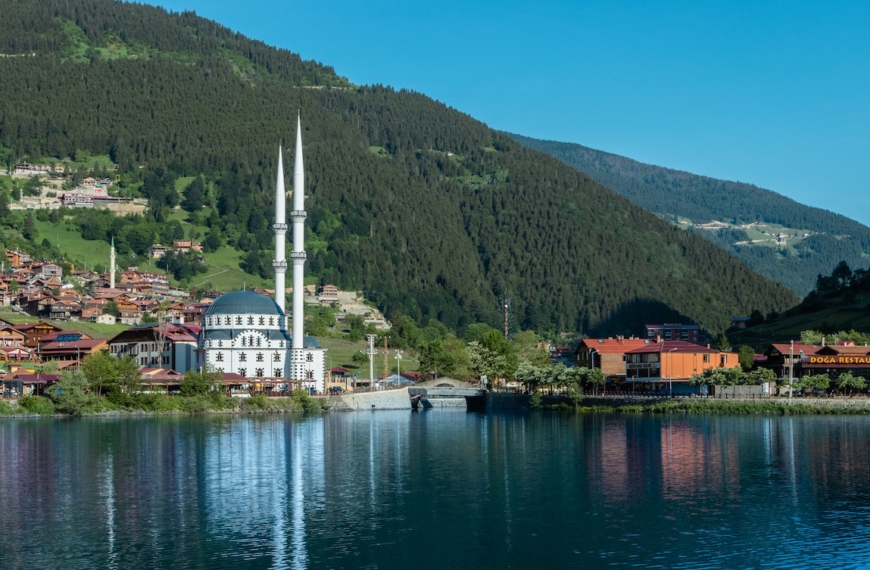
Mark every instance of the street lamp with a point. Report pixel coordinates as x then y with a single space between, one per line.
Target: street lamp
399 365
671 375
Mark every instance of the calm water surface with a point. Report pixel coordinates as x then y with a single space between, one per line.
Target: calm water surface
437 489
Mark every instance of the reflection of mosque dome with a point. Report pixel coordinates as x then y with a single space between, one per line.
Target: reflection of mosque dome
244 302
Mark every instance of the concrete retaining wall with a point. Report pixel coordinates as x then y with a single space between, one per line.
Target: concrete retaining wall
369 401
506 401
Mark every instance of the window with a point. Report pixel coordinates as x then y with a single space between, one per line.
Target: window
208 321
220 344
277 373
238 320
209 344
260 373
309 375
243 371
258 341
228 321
706 358
271 321
219 357
250 320
281 344
259 357
309 357
277 357
262 321
243 357
244 341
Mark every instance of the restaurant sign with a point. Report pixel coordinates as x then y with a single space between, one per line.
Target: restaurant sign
839 359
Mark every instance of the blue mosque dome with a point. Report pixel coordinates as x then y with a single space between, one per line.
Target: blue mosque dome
244 302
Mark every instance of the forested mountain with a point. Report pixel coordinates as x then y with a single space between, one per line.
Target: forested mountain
672 194
427 210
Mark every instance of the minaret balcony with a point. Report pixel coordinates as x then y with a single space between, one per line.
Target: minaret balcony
279 264
298 215
297 255
279 227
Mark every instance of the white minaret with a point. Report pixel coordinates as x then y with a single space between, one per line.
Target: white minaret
280 227
298 257
112 265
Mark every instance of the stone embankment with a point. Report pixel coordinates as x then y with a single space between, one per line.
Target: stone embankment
857 403
398 399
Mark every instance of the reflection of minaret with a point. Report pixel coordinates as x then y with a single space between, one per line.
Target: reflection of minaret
112 265
298 257
280 227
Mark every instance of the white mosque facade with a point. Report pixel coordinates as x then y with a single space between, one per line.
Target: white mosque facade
246 333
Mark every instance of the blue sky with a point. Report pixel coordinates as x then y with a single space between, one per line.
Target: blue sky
772 93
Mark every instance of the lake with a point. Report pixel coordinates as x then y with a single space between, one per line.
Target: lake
435 489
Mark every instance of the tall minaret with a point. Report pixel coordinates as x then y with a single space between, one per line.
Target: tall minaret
112 265
280 227
298 257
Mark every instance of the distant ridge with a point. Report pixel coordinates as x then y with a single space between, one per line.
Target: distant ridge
675 195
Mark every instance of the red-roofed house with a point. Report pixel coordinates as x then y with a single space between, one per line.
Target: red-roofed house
608 354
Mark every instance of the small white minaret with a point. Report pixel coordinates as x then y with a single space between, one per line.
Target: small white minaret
280 227
298 257
112 265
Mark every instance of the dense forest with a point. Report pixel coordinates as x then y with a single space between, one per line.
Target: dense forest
428 211
674 193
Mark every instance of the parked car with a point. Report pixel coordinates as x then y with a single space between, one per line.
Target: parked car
336 389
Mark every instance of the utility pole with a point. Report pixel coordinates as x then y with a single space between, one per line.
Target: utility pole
386 358
506 305
371 352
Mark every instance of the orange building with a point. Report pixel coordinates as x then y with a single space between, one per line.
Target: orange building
674 361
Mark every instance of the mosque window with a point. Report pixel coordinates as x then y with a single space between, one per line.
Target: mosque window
281 344
278 373
244 341
260 373
208 321
271 321
309 374
243 357
277 357
238 320
262 321
228 321
209 344
259 357
250 320
220 344
219 357
259 341
243 371
309 357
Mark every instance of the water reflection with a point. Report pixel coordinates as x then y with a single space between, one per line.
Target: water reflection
434 490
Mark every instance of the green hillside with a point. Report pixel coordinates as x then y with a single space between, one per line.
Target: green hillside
815 239
425 209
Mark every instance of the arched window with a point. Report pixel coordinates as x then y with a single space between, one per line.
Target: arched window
281 344
259 340
228 320
277 357
309 375
244 341
309 357
278 373
243 357
250 320
220 344
243 371
208 321
259 373
259 357
262 321
219 357
238 320
271 321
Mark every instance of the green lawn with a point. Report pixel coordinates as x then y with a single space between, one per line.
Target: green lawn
74 248
96 330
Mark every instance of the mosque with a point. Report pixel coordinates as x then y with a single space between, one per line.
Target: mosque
246 333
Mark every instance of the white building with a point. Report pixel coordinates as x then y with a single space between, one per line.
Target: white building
246 333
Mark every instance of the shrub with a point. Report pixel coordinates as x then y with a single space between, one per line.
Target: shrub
37 405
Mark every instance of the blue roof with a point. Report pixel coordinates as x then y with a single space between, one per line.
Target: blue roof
244 302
